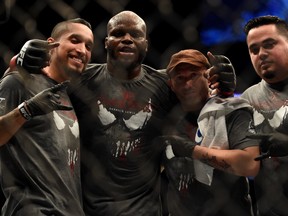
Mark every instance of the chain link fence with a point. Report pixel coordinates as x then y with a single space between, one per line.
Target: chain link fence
207 25
172 25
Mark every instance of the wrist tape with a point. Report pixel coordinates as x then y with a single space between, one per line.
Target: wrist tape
24 112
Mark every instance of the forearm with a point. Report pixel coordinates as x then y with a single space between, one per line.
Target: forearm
235 161
10 124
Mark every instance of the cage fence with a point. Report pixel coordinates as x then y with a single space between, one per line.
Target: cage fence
172 25
209 25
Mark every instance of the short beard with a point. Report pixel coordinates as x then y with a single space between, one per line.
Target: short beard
269 75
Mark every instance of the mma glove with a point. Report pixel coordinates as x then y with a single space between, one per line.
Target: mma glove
227 76
274 144
44 102
33 56
181 147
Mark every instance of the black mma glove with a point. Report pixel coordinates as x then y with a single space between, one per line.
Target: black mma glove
223 67
181 147
34 55
44 102
274 144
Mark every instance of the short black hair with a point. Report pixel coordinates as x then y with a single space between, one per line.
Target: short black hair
280 24
62 26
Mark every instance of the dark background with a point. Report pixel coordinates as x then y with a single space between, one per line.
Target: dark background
207 25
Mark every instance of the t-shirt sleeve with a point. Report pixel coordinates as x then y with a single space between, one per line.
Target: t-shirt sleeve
239 125
11 94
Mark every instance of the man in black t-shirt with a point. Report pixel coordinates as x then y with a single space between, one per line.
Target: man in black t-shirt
40 164
209 158
122 106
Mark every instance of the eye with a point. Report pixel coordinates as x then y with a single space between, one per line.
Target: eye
117 33
178 79
193 75
269 45
254 50
137 34
74 40
89 47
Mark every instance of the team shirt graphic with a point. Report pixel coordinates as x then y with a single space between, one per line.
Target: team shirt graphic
124 130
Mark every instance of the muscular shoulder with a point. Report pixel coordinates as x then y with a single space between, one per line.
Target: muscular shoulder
93 69
155 72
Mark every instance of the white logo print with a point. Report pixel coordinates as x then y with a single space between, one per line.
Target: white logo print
121 131
198 136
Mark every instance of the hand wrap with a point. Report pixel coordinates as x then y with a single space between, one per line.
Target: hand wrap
44 102
34 55
181 147
272 145
227 77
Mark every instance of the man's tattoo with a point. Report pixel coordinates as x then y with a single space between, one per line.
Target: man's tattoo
212 161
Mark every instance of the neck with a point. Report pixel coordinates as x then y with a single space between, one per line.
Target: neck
54 75
196 106
192 118
279 86
61 73
124 72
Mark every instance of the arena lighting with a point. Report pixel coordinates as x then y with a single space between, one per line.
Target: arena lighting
237 94
224 28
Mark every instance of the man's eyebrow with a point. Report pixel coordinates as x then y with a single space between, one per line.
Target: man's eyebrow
267 40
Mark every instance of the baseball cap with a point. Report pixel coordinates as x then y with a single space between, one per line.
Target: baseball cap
190 56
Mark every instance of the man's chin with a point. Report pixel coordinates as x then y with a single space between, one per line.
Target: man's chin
269 75
76 69
126 60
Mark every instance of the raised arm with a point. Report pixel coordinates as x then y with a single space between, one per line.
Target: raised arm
44 102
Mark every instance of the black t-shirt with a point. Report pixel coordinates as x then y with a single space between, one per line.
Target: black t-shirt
40 165
228 194
118 121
